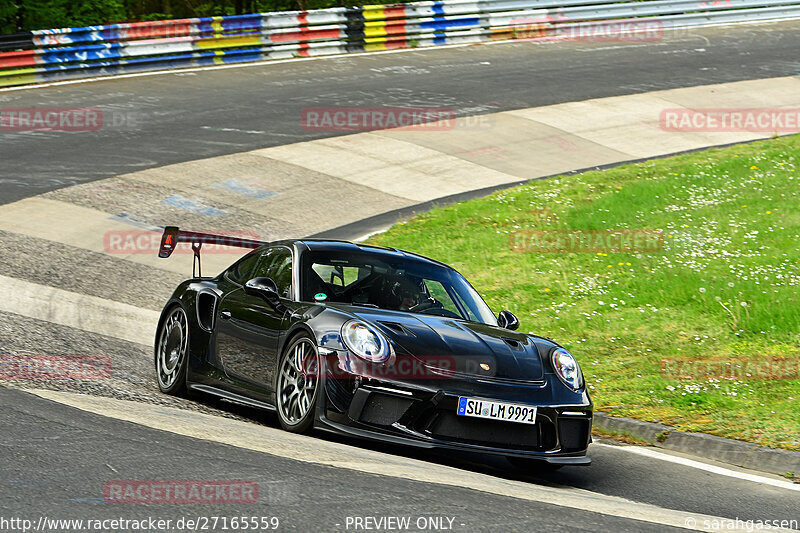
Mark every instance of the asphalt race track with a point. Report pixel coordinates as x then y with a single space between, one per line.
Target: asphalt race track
56 458
170 118
62 475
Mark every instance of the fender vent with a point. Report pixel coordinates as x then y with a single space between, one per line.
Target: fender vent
513 343
206 303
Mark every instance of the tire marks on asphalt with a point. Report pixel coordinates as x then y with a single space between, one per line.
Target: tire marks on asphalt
87 313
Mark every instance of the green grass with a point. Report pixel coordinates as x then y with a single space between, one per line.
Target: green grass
723 288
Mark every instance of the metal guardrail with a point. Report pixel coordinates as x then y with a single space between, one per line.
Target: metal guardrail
68 53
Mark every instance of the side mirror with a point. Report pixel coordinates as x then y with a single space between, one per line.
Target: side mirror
507 320
266 289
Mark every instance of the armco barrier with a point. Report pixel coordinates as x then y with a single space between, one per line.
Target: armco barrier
68 53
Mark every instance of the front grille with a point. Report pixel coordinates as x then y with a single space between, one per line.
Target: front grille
535 437
574 433
383 409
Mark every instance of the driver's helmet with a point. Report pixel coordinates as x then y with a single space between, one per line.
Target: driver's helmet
406 291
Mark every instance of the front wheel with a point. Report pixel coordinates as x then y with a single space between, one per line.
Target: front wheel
172 350
297 387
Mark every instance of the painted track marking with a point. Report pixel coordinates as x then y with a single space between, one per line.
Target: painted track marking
714 469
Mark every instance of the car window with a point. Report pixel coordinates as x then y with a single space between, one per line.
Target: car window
467 309
388 281
276 263
437 291
340 275
241 271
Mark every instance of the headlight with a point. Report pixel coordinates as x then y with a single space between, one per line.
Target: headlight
365 342
567 368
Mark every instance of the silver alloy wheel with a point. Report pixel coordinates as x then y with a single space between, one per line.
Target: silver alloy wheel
172 347
297 382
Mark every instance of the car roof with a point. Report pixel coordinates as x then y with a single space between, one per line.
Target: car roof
340 246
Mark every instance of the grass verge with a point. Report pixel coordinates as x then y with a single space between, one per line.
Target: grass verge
619 436
701 332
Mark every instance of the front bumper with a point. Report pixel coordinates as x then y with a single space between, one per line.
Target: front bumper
423 414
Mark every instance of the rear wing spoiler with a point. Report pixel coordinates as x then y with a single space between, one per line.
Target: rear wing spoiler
173 235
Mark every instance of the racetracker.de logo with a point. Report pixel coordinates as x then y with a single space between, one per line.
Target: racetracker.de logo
54 366
180 492
51 119
586 241
403 367
377 118
765 369
554 28
613 31
728 120
148 242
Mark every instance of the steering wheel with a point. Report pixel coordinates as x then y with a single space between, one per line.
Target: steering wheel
441 311
427 304
356 288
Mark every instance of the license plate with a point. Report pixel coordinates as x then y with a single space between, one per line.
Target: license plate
509 412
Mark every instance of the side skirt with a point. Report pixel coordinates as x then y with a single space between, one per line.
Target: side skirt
231 396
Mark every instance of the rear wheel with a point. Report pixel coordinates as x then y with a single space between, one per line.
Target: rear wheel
172 350
297 385
532 466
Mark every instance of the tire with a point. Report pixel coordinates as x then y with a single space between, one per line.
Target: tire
532 466
172 352
297 385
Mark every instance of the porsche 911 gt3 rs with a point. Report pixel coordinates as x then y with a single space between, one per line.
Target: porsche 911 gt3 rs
371 342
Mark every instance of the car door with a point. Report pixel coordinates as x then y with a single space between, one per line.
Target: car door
249 329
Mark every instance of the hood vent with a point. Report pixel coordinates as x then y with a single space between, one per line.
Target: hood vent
397 328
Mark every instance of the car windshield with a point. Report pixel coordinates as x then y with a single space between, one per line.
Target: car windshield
391 282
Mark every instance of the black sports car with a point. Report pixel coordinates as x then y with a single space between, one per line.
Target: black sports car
371 342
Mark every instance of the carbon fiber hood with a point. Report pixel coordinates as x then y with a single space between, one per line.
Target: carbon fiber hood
467 348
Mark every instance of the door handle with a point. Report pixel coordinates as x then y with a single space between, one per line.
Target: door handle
225 314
